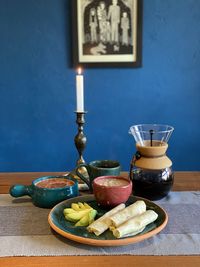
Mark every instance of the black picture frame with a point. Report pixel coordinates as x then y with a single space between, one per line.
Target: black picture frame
107 33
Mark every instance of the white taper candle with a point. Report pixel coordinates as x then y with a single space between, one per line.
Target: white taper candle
79 91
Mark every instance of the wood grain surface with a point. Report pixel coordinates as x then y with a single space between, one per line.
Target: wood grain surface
103 261
184 181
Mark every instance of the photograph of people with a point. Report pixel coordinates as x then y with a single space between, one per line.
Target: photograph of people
107 27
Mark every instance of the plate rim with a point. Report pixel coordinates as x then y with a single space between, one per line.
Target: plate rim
107 242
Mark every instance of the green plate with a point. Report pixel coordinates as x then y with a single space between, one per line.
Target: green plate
67 229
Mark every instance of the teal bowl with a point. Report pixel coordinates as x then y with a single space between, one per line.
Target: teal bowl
45 197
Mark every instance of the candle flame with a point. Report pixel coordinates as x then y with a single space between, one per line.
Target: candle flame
79 71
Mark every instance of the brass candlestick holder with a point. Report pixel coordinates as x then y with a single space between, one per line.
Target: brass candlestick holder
80 141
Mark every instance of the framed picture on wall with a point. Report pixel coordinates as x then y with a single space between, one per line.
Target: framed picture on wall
107 33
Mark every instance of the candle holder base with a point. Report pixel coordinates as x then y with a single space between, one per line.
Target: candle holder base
81 185
82 171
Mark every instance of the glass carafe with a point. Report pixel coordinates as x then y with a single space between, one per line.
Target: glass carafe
150 170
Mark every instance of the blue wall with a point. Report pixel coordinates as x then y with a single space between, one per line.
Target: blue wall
37 87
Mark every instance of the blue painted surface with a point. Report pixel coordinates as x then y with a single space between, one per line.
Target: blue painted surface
37 88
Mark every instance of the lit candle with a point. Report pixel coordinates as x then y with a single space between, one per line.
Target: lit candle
79 91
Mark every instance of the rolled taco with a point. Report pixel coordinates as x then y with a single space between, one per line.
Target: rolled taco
136 224
101 225
122 216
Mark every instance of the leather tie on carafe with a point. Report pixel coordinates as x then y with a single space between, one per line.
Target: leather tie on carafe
135 157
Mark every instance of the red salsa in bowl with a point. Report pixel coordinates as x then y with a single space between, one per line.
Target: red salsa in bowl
54 183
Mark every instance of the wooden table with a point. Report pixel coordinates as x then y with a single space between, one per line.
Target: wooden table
184 181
